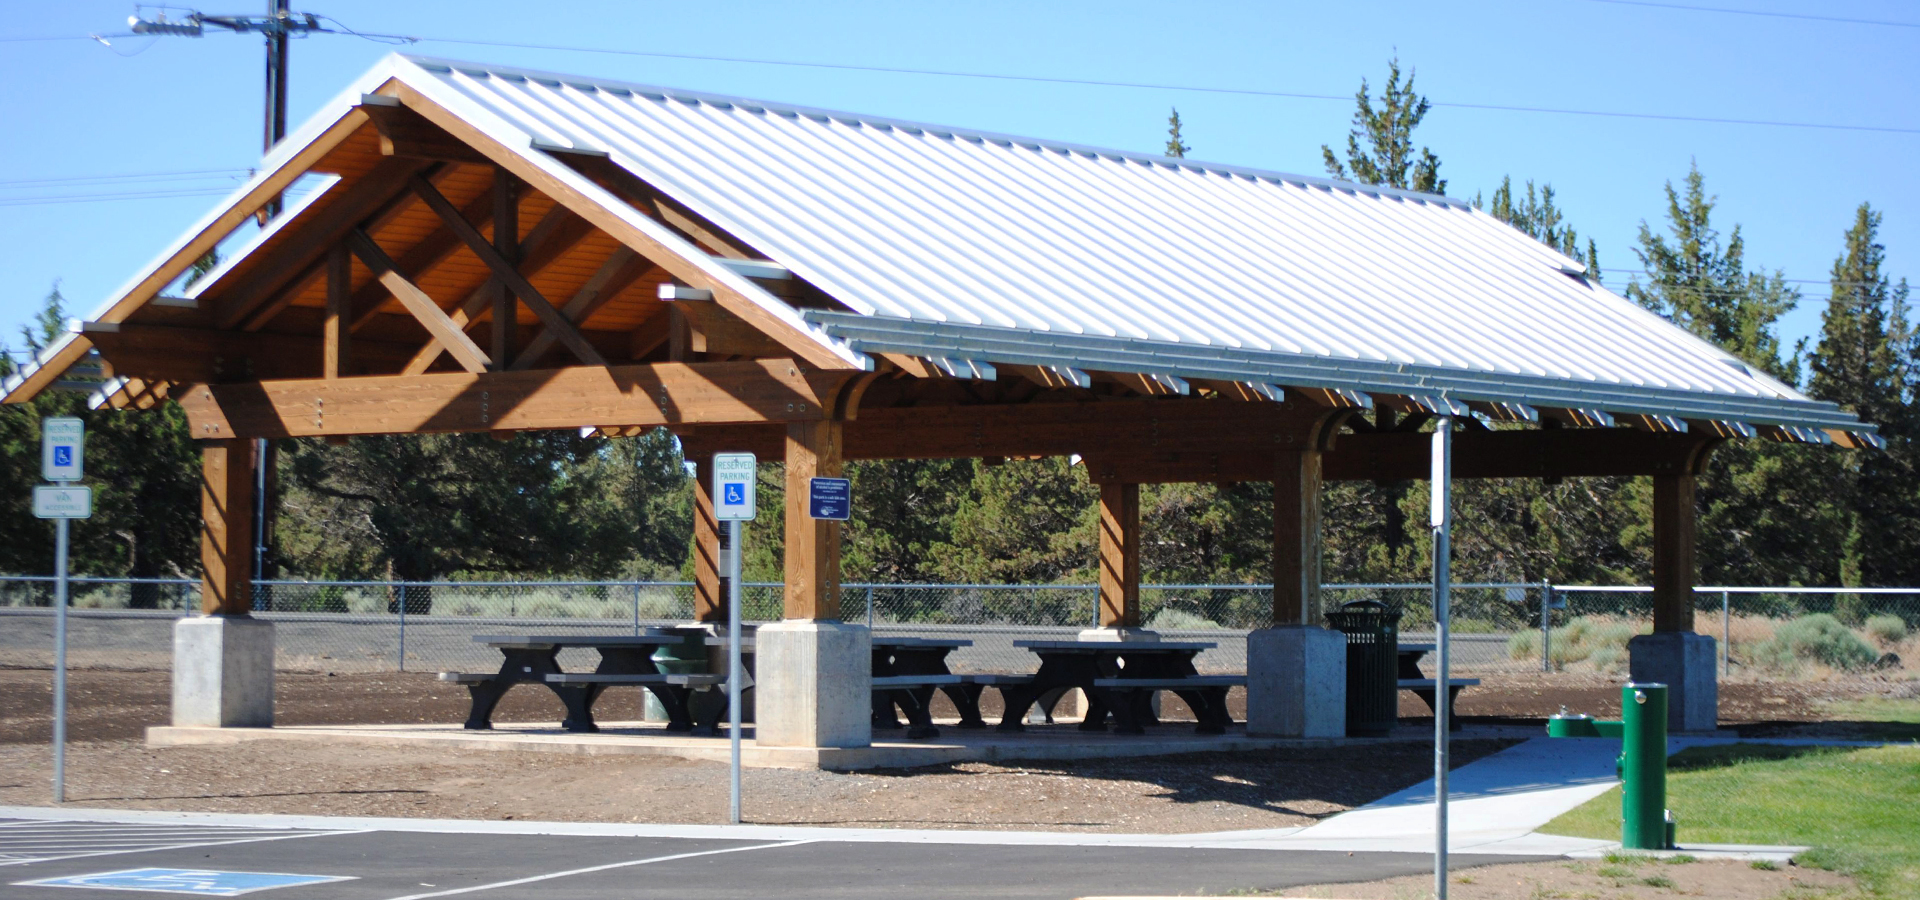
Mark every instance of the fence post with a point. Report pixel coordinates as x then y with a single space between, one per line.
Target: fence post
1546 627
869 608
403 626
636 609
1727 634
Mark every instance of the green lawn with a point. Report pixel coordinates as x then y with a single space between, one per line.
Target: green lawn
1859 808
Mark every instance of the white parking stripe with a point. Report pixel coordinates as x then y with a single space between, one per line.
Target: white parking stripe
29 842
590 869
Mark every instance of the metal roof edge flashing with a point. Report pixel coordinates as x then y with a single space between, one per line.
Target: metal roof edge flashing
1018 346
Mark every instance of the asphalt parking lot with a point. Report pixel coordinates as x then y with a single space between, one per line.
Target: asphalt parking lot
182 860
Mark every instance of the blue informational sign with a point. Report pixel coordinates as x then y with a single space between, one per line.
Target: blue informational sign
830 498
198 882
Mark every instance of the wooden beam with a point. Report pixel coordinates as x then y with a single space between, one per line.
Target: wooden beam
712 329
813 545
757 391
669 211
709 584
1119 556
1142 425
309 240
508 275
443 329
1398 456
336 353
226 527
426 253
167 353
1674 527
284 298
620 270
506 243
1296 537
677 260
556 233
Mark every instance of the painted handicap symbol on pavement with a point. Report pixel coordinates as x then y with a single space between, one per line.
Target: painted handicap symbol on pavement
198 882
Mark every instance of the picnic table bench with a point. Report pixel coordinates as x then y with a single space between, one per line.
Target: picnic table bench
624 660
907 671
1119 679
1412 679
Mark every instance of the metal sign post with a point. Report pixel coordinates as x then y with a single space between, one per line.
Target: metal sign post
733 502
1442 520
62 460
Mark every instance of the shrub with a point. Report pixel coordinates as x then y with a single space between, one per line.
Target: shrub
1888 630
1816 638
1175 619
1600 642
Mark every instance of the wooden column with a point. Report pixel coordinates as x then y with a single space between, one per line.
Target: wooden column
1673 558
226 526
1296 538
1119 556
813 545
709 586
506 239
336 358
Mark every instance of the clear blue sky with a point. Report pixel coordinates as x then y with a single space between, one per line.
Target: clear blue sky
76 109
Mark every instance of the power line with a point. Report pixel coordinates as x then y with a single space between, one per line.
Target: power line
1202 89
183 175
1756 12
1137 85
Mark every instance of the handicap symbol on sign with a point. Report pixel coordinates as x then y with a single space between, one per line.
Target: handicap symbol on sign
63 455
736 493
198 882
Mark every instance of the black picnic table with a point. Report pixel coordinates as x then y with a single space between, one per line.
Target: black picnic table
1078 664
905 657
1409 659
534 659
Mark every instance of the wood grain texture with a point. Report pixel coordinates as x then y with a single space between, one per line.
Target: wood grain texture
1119 556
226 527
813 545
1297 547
1674 529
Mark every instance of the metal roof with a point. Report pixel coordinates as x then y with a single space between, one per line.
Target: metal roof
963 244
973 248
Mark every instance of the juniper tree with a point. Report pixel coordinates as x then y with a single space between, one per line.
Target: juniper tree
1380 144
1176 145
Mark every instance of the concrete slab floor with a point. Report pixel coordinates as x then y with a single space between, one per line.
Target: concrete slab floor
889 750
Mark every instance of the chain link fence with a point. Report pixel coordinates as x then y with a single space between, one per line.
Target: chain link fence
340 626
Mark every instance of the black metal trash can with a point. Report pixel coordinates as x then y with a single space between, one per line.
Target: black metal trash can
1373 647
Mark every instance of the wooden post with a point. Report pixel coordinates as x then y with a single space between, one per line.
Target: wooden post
1296 537
1673 558
226 526
813 545
506 239
709 585
1119 556
336 356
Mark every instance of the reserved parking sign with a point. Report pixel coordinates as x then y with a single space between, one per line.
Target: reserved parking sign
734 477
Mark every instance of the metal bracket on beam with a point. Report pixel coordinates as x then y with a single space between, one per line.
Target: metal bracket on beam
1583 418
1725 428
1795 434
763 269
672 292
1501 411
964 368
1656 423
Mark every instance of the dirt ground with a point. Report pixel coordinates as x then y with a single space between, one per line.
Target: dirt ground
110 766
1626 879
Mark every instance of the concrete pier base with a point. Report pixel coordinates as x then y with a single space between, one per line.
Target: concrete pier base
223 672
1297 682
1685 662
816 676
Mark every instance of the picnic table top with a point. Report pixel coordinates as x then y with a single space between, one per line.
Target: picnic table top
529 641
1117 646
1416 648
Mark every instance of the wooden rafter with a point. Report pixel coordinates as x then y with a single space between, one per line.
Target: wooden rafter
369 197
506 243
335 353
423 256
656 244
508 275
556 233
435 320
613 276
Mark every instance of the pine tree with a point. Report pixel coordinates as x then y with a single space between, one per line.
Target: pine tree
1176 145
1541 219
1380 145
1859 364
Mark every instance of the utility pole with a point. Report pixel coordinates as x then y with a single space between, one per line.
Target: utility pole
278 25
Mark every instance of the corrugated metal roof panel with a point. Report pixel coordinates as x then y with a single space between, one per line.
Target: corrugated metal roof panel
930 224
